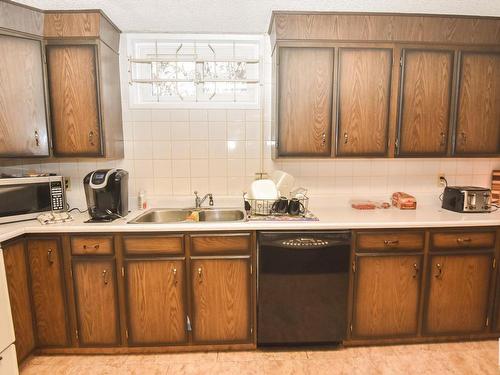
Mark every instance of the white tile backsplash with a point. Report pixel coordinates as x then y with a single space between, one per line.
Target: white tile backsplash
171 152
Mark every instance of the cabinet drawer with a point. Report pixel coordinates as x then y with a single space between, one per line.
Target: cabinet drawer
390 241
153 245
100 245
463 240
220 244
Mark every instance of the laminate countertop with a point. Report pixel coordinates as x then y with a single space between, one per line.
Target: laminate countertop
331 217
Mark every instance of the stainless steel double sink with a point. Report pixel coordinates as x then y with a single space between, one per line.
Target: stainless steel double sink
169 215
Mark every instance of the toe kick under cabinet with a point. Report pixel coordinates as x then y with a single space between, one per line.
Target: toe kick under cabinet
423 285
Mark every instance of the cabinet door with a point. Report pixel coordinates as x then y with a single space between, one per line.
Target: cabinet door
458 291
305 101
23 121
48 292
96 301
386 296
74 100
363 101
221 300
155 291
17 283
478 116
425 102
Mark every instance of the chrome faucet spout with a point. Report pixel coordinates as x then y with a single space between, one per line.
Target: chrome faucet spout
199 201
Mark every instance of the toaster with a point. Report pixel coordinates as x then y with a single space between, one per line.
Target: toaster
467 199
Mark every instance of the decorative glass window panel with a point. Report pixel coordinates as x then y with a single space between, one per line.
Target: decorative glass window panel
194 71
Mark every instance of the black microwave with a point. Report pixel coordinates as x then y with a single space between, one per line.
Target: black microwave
24 198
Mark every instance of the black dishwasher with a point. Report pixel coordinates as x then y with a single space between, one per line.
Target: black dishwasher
302 287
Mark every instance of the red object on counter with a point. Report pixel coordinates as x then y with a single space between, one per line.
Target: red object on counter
404 201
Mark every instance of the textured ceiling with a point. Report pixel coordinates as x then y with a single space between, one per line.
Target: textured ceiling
247 16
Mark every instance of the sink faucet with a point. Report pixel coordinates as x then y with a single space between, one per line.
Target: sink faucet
199 201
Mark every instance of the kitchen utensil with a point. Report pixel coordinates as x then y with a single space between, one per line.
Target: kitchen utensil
281 205
295 207
263 189
284 182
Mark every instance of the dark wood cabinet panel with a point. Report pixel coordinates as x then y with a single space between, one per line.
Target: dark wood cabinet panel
96 301
305 101
155 296
23 121
16 271
221 296
458 293
74 103
425 102
140 245
364 82
220 244
48 292
386 299
478 112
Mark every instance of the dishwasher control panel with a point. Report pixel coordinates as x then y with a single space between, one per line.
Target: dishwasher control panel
298 242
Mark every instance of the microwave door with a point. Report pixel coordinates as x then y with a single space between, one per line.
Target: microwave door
24 199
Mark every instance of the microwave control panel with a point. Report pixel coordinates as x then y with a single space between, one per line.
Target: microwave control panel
57 196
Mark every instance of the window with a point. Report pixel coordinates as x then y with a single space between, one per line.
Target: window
194 70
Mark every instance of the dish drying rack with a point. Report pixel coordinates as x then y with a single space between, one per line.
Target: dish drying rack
264 207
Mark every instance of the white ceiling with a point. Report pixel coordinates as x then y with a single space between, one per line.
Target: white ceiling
247 16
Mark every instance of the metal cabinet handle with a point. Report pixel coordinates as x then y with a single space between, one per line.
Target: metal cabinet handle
439 274
462 240
443 139
323 139
416 270
464 138
91 138
49 257
200 276
346 138
37 139
174 271
391 242
96 246
105 277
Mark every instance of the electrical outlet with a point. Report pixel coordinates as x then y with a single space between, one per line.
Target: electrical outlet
441 181
67 183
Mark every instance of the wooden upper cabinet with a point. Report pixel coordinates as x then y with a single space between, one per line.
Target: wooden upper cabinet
74 100
458 294
155 296
221 295
364 85
16 270
386 296
425 100
305 101
48 292
96 301
478 112
23 121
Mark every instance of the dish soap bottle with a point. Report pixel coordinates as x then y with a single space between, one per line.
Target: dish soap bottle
142 200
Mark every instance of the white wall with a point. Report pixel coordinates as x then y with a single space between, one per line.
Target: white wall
170 153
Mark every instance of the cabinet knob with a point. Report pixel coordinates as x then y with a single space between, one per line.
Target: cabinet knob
105 277
174 271
49 257
464 138
200 276
91 138
443 138
37 139
439 274
415 269
346 138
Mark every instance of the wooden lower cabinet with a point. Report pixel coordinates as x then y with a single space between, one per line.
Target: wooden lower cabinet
96 298
48 292
386 295
458 293
221 300
155 297
16 271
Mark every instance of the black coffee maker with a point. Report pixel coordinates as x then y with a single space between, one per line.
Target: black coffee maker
106 191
